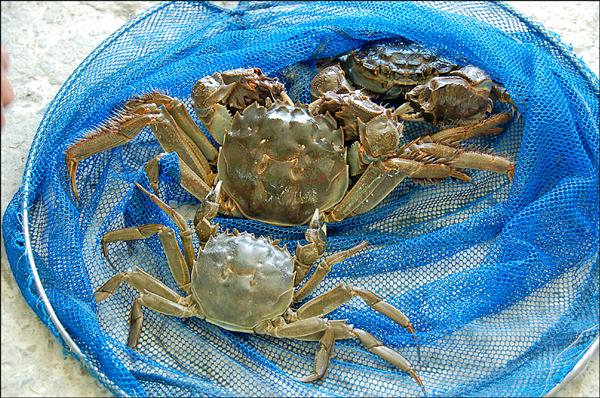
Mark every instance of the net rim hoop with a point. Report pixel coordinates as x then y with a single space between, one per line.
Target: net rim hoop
577 369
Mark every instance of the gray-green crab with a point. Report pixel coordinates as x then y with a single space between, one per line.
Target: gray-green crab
435 89
279 161
249 284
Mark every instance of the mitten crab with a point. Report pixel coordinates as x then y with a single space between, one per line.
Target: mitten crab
435 89
279 161
250 284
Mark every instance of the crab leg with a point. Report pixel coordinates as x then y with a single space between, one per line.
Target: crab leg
381 178
324 268
153 170
342 331
441 147
189 180
206 212
487 126
184 231
158 304
408 113
463 158
217 120
428 158
154 295
136 320
314 328
127 234
294 329
184 121
306 255
126 125
375 346
118 131
322 357
139 280
341 294
165 306
173 139
176 261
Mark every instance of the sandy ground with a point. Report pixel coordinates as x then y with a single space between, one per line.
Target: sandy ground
47 40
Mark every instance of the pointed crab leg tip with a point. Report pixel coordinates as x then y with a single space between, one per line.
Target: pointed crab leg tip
308 379
461 176
144 190
99 296
104 249
416 377
511 174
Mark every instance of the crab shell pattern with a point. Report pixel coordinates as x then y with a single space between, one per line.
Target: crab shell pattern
279 163
390 70
242 280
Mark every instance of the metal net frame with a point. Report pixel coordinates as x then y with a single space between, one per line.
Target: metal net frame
499 279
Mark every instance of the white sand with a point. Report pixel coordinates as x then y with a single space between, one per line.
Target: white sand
47 40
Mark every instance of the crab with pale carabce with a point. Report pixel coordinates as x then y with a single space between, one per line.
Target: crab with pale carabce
248 284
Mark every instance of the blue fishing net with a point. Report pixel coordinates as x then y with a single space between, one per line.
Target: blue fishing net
499 279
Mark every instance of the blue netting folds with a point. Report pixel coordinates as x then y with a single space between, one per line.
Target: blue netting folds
499 279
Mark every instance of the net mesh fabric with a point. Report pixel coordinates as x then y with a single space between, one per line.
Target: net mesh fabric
500 280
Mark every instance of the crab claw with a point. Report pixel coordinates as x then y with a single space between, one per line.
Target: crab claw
316 232
208 209
380 136
208 96
214 196
306 255
331 78
209 91
314 221
210 204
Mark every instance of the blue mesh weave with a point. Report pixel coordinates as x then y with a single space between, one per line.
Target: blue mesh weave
499 279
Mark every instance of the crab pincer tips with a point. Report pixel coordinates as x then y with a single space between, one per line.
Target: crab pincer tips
314 221
308 379
217 189
215 194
